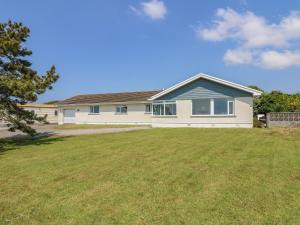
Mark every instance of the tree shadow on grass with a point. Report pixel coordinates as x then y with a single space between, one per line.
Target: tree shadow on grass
16 142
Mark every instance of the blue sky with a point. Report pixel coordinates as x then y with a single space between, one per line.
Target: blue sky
123 45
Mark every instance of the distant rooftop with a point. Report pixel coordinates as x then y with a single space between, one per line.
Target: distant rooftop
33 105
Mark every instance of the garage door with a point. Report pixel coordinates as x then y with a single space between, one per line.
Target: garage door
69 116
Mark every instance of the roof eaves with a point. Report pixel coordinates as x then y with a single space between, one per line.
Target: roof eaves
102 103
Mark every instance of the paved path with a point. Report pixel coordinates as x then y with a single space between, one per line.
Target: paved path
50 132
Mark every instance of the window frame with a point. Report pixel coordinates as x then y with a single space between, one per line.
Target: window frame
151 109
120 111
233 107
211 105
162 108
212 108
92 112
164 103
227 106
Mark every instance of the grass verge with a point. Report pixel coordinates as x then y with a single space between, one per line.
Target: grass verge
155 176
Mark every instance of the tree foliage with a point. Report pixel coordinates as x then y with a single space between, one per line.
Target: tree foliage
256 88
53 102
276 101
19 83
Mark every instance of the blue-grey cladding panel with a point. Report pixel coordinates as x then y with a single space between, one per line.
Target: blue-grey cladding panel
202 88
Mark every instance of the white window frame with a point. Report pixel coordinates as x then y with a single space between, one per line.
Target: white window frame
212 108
151 108
157 103
164 103
233 108
92 110
120 111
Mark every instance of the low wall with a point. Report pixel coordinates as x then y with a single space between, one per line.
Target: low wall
283 119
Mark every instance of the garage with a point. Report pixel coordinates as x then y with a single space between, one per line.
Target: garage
69 115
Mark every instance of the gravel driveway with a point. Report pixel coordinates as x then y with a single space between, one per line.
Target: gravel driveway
45 131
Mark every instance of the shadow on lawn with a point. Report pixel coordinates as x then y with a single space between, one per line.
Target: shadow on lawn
8 144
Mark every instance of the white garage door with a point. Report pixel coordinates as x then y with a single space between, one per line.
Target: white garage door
69 116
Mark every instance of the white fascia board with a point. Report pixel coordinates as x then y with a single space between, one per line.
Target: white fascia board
207 77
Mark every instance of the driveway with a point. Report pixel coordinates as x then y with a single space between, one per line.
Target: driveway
47 131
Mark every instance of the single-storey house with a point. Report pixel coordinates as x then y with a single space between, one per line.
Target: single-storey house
200 101
48 110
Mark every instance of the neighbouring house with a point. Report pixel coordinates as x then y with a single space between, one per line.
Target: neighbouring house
200 101
42 110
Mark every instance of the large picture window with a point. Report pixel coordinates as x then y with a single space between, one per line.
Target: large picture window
213 107
164 108
201 107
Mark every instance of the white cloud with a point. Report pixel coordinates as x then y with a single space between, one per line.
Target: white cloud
221 28
279 60
238 56
155 9
269 59
253 34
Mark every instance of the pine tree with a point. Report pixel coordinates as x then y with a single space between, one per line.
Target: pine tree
19 83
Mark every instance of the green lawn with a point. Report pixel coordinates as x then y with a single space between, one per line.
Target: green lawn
90 126
156 176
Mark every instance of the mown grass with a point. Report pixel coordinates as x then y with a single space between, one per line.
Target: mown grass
89 126
156 176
